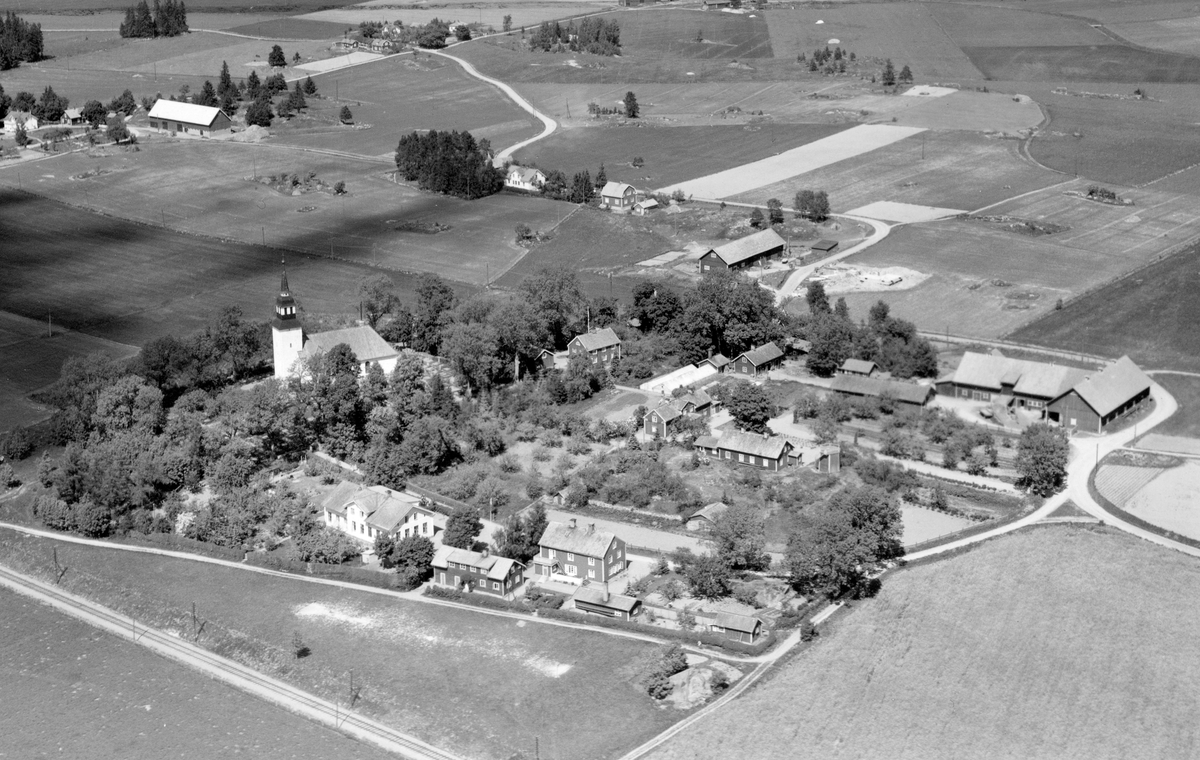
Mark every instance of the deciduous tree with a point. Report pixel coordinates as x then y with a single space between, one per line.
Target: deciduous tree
1042 455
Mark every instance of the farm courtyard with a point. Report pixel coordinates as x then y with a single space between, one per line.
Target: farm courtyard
1033 645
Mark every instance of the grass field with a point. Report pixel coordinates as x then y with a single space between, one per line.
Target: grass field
111 20
488 14
198 6
1007 652
959 170
908 33
1186 390
478 685
1096 63
82 86
1171 501
670 33
398 95
1150 316
672 154
971 26
204 187
127 703
291 29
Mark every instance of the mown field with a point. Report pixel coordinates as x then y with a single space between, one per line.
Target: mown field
1077 63
673 34
1008 651
292 28
982 26
671 154
399 95
1151 316
127 703
524 14
1178 35
1186 390
946 169
475 684
206 187
214 6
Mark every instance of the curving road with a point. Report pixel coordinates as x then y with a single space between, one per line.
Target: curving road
549 125
228 671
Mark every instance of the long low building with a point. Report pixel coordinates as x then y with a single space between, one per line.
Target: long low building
744 251
476 571
872 387
769 452
174 116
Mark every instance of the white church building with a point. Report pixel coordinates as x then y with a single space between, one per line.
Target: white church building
290 342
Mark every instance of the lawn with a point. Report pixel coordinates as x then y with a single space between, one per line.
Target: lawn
1151 316
949 169
126 702
475 684
1186 390
908 33
671 154
669 33
1008 651
398 95
205 187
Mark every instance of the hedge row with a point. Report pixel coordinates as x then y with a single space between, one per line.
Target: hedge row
182 544
358 575
479 600
687 637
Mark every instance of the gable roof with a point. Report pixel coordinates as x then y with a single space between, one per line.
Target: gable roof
699 399
859 365
710 512
667 411
772 447
497 568
717 360
188 112
735 622
526 174
595 341
73 113
767 352
594 595
616 189
748 247
385 509
875 387
592 542
649 203
1114 385
363 341
1029 378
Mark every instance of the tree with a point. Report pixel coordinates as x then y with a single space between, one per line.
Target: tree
631 106
818 301
557 298
377 297
1042 455
296 99
346 117
472 349
94 113
414 552
259 114
518 537
207 95
750 405
225 81
889 74
831 340
708 576
507 23
310 87
831 549
739 538
427 448
276 59
51 106
285 109
819 211
757 220
906 75
775 211
21 136
601 177
462 528
462 33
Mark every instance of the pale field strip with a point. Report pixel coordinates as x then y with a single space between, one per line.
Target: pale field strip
1119 482
919 525
349 59
904 213
1171 501
390 10
792 163
1175 444
929 91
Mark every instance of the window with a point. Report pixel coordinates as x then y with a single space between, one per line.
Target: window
570 556
591 561
592 574
496 585
553 554
572 570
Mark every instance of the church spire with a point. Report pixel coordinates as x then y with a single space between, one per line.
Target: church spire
285 305
284 291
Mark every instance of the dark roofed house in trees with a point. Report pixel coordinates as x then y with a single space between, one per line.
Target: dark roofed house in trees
601 346
743 252
573 554
860 367
741 628
597 600
759 360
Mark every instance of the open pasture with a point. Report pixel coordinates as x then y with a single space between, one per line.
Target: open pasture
291 29
671 154
489 14
675 33
1151 316
127 702
69 44
476 684
1091 137
1186 390
197 7
908 33
206 188
945 169
132 282
1110 63
1009 651
1171 500
972 26
1177 35
198 21
396 96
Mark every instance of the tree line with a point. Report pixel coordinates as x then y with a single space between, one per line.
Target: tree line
19 41
452 163
890 342
593 35
168 19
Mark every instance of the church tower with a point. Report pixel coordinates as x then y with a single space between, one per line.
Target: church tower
287 336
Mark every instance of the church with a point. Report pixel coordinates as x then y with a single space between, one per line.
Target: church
290 343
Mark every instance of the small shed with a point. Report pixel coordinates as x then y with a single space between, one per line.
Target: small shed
596 600
546 358
706 518
737 627
717 361
641 208
860 367
824 246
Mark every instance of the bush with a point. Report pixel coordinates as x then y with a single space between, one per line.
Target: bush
747 595
719 682
8 478
658 685
91 519
53 512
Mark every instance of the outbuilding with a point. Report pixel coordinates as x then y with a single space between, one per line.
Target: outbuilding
737 627
743 252
1101 398
824 246
758 360
705 519
175 117
596 600
860 367
873 387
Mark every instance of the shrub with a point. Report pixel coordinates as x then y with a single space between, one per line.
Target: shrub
509 463
747 595
53 512
91 519
808 631
8 478
719 682
659 685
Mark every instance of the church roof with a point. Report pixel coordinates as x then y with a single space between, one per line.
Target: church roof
363 341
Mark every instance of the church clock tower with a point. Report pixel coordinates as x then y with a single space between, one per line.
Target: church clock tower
287 336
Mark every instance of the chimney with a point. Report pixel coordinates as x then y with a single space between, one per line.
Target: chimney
591 527
571 523
604 592
486 551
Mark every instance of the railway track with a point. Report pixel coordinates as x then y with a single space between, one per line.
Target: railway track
232 673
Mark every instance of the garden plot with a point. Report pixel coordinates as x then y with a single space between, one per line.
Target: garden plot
919 525
1171 501
829 150
903 213
340 61
1119 482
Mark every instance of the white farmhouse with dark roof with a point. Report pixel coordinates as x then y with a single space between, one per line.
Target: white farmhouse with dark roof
175 117
524 178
